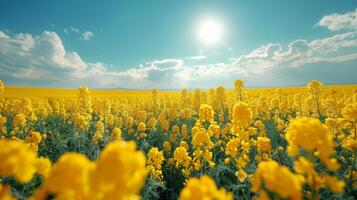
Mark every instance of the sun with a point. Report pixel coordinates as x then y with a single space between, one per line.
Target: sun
210 32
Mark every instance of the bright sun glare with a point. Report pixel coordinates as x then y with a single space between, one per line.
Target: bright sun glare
210 32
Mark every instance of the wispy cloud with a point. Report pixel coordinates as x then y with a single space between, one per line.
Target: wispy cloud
70 29
74 29
44 58
337 21
201 57
87 35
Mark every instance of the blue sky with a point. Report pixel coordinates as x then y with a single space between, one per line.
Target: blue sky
147 44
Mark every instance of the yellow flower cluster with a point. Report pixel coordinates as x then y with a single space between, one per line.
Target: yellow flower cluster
2 86
5 193
17 160
314 87
350 111
182 158
117 177
43 166
203 188
311 135
19 121
201 138
206 113
71 166
116 134
238 87
202 144
84 101
263 148
232 147
99 134
113 176
278 179
238 150
316 180
241 115
3 126
154 163
232 135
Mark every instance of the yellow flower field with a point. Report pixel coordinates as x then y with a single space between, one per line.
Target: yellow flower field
240 143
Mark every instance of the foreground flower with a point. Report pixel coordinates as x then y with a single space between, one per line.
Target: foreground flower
203 188
120 172
319 140
17 160
278 179
5 193
334 184
113 176
43 166
68 178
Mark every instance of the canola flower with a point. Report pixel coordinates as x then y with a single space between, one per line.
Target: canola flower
19 121
238 87
113 176
71 166
84 100
182 159
203 188
2 87
154 163
117 177
99 134
315 89
116 134
241 114
5 192
319 143
17 160
3 126
206 113
230 135
43 166
350 111
278 179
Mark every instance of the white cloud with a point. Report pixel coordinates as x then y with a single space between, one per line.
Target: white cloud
299 52
71 29
24 57
87 35
334 43
74 29
201 57
337 21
